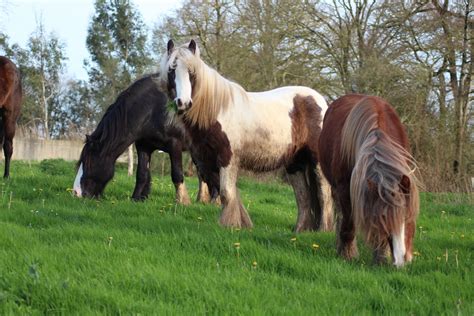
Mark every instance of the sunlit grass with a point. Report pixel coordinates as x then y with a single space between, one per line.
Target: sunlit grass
59 254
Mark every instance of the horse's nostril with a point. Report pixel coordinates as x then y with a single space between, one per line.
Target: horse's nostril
190 104
179 102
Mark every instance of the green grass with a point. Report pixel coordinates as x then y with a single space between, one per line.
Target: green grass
63 255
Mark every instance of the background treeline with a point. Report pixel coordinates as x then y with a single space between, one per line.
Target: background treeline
416 54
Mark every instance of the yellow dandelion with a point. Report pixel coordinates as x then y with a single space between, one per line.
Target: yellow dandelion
199 218
293 239
420 227
254 264
416 253
237 245
462 235
315 246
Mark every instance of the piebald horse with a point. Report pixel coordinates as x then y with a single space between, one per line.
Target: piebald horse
364 155
257 131
10 107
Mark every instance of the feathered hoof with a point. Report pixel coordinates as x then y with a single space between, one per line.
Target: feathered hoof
182 196
348 251
235 215
203 194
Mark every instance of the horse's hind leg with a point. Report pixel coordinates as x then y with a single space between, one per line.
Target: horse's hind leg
307 217
345 228
143 180
9 133
233 212
176 157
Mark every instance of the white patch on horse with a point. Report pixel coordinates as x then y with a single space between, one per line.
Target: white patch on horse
183 84
77 182
269 113
399 247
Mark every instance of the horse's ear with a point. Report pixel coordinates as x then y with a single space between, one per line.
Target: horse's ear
192 46
170 46
405 184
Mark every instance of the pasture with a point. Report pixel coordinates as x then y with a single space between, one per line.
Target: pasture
60 254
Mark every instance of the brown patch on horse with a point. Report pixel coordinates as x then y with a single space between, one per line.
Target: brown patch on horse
211 148
306 124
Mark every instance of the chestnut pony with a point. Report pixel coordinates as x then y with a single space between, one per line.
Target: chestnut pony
10 106
364 154
259 131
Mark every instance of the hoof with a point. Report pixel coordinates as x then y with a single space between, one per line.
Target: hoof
235 215
182 196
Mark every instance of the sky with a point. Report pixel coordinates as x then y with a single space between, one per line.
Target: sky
69 20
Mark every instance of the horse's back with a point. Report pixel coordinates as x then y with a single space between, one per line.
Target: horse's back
336 117
10 85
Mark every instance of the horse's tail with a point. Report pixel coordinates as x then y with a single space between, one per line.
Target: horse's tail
383 188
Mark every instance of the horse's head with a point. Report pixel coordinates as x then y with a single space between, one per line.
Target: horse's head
181 73
95 170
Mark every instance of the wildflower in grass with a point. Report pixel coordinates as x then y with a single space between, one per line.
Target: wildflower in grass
315 247
462 235
199 218
110 240
293 239
416 253
237 248
254 264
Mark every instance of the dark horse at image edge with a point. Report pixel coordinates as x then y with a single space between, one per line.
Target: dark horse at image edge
10 107
139 115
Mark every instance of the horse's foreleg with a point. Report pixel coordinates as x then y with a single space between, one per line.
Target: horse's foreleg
345 228
325 200
233 212
410 228
176 157
9 133
143 180
203 193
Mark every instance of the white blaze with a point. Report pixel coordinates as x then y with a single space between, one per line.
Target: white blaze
399 247
77 182
183 83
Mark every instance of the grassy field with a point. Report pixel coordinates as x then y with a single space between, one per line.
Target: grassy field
63 255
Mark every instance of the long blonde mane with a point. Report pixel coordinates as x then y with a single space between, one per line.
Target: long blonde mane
212 93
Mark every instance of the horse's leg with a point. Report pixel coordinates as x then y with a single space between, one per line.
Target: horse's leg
307 217
233 212
176 157
325 201
409 235
345 228
143 182
203 193
9 133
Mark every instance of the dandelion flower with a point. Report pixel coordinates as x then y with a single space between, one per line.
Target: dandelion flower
315 246
237 245
199 218
416 253
293 239
254 264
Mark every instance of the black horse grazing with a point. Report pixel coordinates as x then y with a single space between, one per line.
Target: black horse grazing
10 106
139 115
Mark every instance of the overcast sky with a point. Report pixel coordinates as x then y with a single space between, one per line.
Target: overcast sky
69 20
